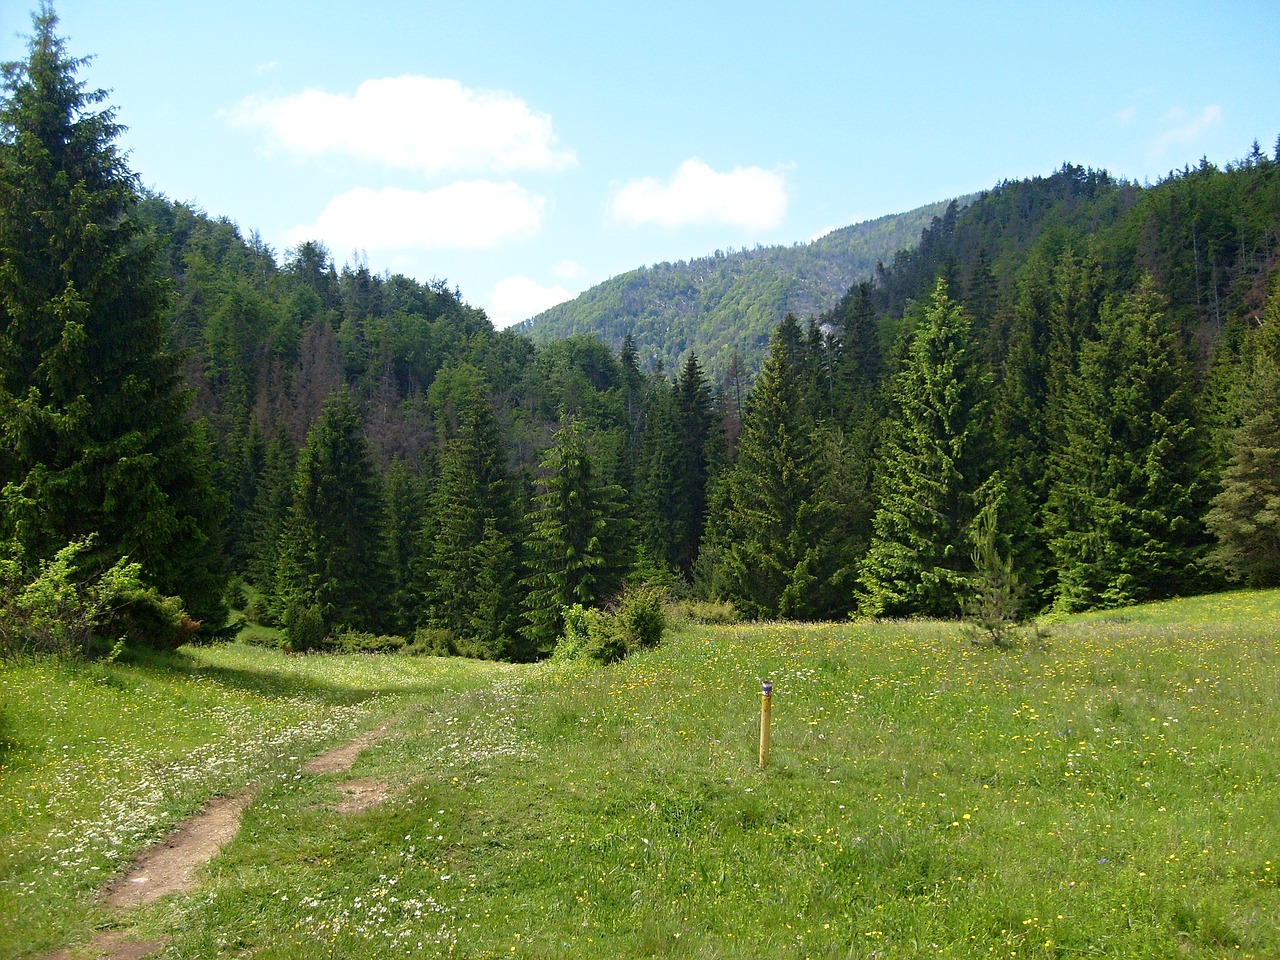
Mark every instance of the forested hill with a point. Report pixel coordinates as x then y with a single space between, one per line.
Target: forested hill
730 302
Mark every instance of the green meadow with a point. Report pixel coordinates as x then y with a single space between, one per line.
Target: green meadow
1108 790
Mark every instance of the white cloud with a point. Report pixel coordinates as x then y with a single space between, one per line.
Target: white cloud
468 215
569 270
747 197
1188 132
411 122
518 298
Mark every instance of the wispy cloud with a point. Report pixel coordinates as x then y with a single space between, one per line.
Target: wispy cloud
749 197
1188 132
468 215
518 298
416 123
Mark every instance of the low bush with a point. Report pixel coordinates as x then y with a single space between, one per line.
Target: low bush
432 642
359 641
304 629
706 612
65 609
607 636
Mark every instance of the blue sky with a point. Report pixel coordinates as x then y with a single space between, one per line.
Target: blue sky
524 151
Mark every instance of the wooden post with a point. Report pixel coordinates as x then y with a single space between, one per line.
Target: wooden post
766 716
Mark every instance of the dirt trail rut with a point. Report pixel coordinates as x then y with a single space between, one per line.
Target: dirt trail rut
171 866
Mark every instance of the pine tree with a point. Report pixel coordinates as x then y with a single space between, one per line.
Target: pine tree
933 460
93 433
575 531
1124 512
331 555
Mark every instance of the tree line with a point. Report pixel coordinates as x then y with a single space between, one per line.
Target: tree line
1064 392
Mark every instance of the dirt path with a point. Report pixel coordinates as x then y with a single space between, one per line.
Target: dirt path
172 865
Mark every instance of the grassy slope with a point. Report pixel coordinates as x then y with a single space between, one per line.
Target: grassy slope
1112 794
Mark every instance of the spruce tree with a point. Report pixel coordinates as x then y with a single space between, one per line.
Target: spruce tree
1124 514
403 496
1245 513
472 561
331 554
576 528
933 460
93 435
776 535
698 427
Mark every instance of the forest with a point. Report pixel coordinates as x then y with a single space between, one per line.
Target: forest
1063 396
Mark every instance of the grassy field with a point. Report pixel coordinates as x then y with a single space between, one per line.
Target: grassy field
1111 793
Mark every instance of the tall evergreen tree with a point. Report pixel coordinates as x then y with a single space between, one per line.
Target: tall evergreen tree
403 496
776 537
698 428
933 460
1124 513
572 548
331 555
472 564
1245 513
93 435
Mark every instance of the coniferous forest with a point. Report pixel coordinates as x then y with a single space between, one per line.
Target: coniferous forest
1063 396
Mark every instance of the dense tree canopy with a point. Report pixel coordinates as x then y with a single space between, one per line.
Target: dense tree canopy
1068 382
93 435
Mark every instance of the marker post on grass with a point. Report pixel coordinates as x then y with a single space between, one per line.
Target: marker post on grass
766 716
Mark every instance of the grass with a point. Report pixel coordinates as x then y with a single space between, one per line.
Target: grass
1111 794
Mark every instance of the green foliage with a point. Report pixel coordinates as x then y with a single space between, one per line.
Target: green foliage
433 642
725 305
361 641
305 629
332 553
779 536
931 464
94 433
607 636
68 608
471 562
993 606
577 534
703 612
1129 491
1244 515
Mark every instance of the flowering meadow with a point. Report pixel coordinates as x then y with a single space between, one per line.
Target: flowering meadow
1107 789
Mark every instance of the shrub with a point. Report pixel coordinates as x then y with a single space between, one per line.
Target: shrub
706 612
606 637
304 629
359 641
65 611
641 618
432 642
151 620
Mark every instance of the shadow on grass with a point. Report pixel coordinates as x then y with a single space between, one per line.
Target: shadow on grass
269 681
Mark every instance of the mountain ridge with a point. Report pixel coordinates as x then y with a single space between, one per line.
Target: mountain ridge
728 303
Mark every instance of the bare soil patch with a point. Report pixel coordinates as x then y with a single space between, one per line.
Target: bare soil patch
340 758
171 866
359 795
116 945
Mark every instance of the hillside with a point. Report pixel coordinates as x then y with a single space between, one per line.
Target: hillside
728 302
